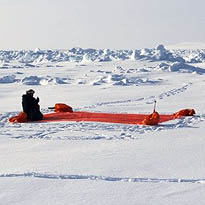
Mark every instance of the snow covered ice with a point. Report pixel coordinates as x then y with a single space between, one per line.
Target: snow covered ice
103 163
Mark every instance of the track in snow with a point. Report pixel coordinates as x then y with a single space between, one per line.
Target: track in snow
101 178
148 100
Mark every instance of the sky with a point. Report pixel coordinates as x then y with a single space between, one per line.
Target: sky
114 24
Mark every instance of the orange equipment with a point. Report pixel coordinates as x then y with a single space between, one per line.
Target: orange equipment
152 119
184 112
21 117
61 107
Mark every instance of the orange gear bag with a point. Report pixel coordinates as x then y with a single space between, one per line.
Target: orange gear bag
61 107
184 112
152 119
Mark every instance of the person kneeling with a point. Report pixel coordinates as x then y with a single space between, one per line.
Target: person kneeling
30 106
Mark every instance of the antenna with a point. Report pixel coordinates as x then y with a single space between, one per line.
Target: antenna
155 102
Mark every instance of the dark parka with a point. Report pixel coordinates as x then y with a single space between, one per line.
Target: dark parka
31 107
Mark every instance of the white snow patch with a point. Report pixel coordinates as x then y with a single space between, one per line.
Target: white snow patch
103 163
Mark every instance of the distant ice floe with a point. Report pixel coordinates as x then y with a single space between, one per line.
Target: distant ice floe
8 79
180 67
160 53
123 80
107 79
35 80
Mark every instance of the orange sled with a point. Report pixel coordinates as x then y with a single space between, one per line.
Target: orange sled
64 112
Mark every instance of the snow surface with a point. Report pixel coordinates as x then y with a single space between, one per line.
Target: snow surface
103 163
